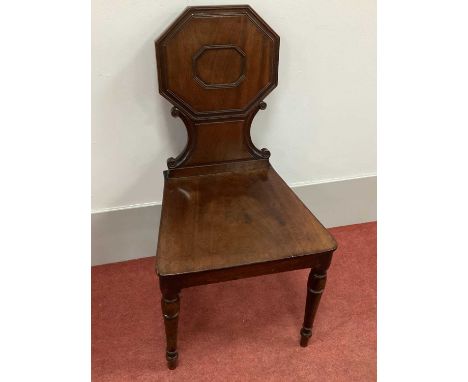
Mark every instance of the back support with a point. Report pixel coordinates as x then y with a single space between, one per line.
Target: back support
216 65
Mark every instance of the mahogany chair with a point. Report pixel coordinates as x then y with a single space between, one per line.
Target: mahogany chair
226 213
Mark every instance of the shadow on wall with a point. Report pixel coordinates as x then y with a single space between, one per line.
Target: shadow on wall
132 233
133 132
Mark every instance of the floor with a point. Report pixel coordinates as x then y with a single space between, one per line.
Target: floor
243 330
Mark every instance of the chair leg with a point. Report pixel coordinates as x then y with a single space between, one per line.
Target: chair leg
315 286
170 305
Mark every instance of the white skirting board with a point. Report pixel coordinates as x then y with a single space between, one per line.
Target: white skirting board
131 233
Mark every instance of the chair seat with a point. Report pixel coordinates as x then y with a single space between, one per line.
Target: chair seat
231 219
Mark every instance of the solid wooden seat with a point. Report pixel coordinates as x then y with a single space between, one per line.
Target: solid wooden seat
234 219
226 213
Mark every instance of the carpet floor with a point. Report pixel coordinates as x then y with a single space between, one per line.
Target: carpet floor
243 330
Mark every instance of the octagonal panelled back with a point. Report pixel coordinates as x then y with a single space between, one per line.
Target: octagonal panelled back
215 65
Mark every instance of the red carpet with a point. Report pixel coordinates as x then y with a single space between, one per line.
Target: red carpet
244 330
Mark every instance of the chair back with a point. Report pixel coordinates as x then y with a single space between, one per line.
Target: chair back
216 64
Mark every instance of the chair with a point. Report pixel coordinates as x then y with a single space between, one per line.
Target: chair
226 213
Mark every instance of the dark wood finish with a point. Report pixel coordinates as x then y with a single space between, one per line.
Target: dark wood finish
170 305
226 213
217 62
234 218
315 287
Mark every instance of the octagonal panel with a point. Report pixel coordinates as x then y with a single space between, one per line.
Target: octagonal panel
215 62
219 66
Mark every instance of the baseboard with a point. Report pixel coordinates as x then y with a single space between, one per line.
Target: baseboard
131 233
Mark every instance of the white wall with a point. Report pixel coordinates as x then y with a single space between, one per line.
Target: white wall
320 122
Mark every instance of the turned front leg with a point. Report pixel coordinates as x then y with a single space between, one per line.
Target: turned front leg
315 286
170 304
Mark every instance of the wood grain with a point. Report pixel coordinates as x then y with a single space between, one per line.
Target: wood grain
226 213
